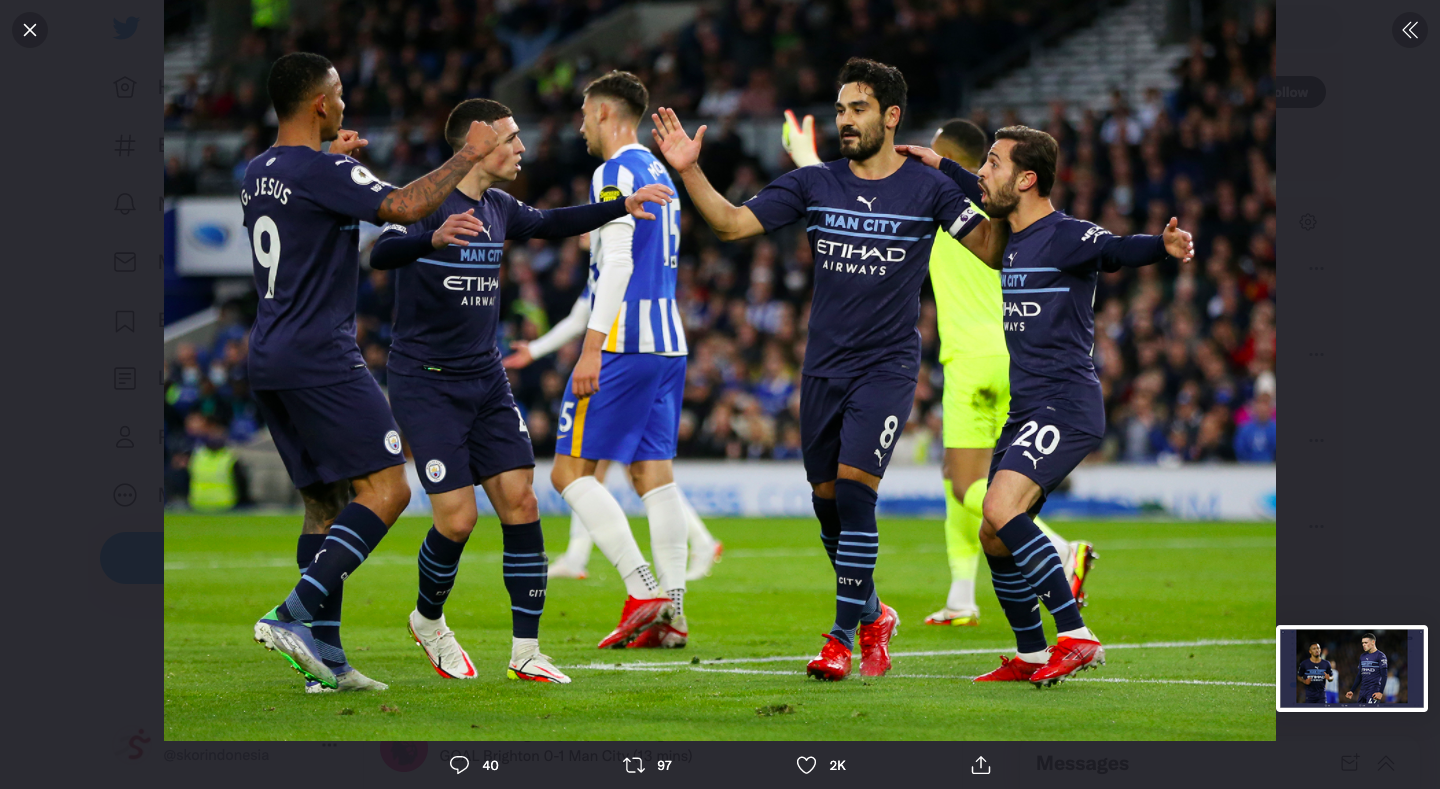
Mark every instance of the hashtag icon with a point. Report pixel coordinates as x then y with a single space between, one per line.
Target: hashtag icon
124 145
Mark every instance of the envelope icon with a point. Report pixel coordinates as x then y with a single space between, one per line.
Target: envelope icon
124 261
1350 763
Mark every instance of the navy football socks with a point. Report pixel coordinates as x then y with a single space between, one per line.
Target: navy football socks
525 571
829 515
1018 600
352 537
855 553
326 627
1037 560
439 563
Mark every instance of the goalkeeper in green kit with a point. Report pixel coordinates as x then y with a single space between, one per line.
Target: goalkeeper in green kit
977 379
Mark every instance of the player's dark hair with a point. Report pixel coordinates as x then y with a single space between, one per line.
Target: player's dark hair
1035 151
1370 636
624 86
969 138
886 82
294 79
1313 644
469 111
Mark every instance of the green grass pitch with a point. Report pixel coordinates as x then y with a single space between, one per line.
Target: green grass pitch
1186 611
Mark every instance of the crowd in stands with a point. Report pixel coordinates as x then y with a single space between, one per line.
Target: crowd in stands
1186 354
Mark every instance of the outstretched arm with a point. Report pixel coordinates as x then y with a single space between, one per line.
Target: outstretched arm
575 220
730 222
425 194
1142 250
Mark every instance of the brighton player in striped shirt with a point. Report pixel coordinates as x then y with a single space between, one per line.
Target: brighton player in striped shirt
705 550
622 403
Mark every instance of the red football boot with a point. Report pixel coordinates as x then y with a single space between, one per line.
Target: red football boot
833 662
1083 557
663 635
1011 670
875 642
635 618
1068 656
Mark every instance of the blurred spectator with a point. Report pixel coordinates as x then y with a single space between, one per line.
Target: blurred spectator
1255 439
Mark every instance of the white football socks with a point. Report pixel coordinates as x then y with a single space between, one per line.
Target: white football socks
962 595
666 510
610 530
694 527
1082 633
577 551
521 648
1034 657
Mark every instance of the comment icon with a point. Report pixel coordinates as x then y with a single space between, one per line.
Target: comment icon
459 764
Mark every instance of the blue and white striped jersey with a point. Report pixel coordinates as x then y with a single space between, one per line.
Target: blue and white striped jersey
649 319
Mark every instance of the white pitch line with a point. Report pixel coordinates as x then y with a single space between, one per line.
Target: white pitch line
763 672
192 562
941 653
1184 544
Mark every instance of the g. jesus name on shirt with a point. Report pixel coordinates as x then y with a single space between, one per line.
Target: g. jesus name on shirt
302 212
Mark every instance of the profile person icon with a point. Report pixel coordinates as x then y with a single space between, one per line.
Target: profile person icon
124 442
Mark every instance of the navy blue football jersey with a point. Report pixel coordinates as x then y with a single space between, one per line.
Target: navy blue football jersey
1048 284
1315 672
448 302
871 241
1374 667
303 210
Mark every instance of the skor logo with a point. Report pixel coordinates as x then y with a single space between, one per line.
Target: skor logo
392 442
210 236
435 471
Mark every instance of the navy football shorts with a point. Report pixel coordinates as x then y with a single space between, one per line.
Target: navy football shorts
1042 446
460 431
634 416
329 433
854 421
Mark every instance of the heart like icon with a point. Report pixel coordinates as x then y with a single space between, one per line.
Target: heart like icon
806 764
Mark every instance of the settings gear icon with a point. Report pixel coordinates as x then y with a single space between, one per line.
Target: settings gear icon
1307 221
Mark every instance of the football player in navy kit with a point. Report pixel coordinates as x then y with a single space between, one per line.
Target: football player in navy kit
1370 676
328 417
1313 672
450 394
1048 276
872 217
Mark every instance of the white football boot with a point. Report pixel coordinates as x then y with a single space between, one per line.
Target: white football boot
348 679
530 665
444 651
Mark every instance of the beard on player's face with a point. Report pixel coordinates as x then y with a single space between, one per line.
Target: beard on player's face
1001 198
866 142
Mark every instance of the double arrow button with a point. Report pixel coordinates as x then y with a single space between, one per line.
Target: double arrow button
1410 30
